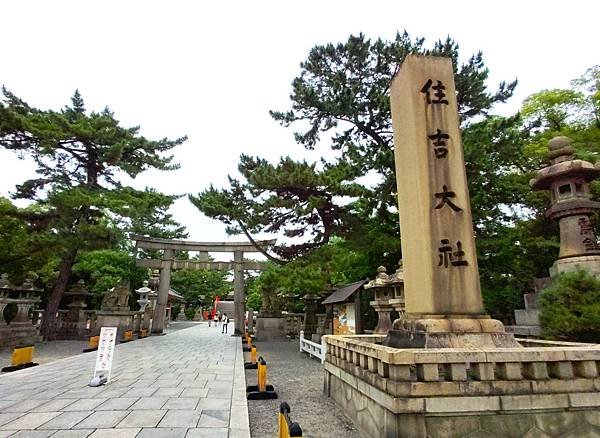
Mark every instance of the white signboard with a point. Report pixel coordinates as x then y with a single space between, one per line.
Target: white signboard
106 350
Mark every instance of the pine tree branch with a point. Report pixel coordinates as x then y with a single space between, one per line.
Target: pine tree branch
258 247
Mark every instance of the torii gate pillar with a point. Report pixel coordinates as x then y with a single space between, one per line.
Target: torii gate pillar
238 292
158 321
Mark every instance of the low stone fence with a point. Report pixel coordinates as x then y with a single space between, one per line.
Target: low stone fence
364 376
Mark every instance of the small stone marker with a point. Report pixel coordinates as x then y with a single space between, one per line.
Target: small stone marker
441 276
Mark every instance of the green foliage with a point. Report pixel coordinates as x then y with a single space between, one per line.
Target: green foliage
570 308
194 283
104 269
175 311
190 312
315 273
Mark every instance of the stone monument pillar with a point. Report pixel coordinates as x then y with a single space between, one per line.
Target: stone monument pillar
567 179
158 321
444 307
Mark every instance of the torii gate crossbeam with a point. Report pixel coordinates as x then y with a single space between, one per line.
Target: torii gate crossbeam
168 262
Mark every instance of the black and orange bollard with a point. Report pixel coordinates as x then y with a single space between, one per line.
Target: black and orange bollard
143 334
248 339
22 357
92 344
262 391
287 427
253 364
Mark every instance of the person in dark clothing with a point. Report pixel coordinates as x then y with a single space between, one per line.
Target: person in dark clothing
225 321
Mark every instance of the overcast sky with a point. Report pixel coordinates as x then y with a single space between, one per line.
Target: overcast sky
212 70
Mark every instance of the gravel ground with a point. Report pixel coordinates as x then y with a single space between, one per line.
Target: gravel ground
45 352
298 380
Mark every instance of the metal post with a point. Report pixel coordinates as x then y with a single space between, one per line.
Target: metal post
238 291
164 285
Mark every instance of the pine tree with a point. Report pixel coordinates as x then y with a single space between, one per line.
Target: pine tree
78 157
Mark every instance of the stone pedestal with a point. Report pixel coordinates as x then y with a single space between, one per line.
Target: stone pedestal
590 263
269 329
122 319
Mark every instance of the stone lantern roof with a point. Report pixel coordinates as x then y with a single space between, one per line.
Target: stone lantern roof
563 165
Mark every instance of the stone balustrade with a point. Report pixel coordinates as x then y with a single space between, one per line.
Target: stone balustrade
455 372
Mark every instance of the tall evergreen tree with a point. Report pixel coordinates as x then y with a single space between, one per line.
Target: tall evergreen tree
341 94
78 157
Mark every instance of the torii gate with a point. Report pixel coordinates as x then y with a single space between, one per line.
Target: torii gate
168 262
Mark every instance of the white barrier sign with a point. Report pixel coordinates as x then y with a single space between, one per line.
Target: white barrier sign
106 350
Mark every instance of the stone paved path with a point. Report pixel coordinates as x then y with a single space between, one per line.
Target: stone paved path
189 383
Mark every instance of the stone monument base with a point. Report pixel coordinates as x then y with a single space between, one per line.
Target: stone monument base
122 319
540 389
269 329
590 263
457 331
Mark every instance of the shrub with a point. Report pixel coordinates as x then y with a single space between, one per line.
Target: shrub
570 308
190 313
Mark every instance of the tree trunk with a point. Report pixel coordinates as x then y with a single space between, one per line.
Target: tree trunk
48 328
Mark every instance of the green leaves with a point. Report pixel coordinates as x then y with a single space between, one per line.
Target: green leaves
570 308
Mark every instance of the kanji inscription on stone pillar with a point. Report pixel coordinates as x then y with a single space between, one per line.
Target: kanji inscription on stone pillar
438 248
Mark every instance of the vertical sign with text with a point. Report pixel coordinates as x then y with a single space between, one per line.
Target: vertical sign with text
106 350
438 246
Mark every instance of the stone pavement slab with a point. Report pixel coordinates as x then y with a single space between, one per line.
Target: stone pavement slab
188 384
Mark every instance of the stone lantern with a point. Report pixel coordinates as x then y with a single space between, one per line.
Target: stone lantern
26 296
5 300
396 282
567 179
145 312
381 303
310 323
389 295
153 284
74 325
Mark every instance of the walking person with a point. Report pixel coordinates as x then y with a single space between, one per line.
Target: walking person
215 319
225 323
